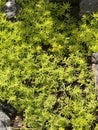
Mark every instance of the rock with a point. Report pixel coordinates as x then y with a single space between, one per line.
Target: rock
11 8
95 58
2 127
88 6
8 109
4 121
7 115
95 70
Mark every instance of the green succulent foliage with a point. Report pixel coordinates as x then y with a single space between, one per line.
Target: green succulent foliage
44 68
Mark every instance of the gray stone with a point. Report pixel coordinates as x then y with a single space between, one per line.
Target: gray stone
11 9
95 58
2 127
4 121
95 70
88 6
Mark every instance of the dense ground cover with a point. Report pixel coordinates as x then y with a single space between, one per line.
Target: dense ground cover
45 70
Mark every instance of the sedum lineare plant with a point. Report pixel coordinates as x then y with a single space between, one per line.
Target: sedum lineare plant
44 67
